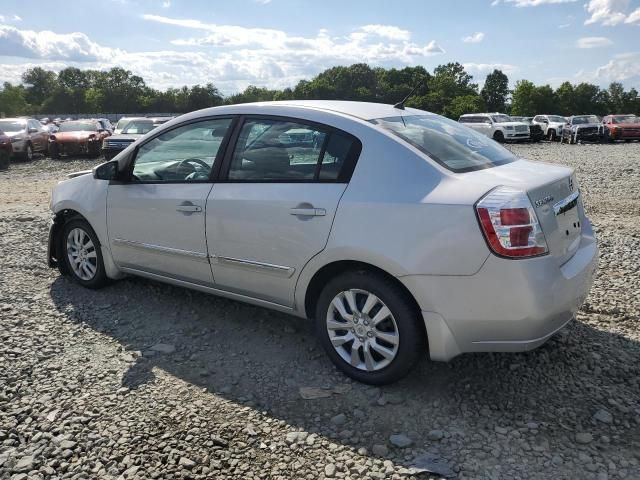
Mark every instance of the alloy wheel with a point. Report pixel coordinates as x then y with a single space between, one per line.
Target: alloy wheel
362 330
82 255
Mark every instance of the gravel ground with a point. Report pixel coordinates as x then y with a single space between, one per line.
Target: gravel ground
143 380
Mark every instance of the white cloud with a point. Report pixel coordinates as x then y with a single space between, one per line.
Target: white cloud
608 12
485 68
634 17
387 31
262 2
52 46
564 25
232 57
593 42
166 4
474 38
530 3
11 18
624 67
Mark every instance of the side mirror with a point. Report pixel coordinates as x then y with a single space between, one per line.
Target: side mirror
106 171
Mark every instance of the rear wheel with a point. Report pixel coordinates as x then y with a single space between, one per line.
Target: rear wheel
369 327
498 136
54 153
28 153
82 254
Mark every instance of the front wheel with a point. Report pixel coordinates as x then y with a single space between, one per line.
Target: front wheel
82 254
369 327
28 153
5 160
498 137
551 135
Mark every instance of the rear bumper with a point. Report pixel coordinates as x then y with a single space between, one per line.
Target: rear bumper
508 306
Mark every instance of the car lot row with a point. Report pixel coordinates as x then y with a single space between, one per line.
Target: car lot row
23 137
574 129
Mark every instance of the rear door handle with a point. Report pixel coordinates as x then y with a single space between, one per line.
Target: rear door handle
189 208
308 212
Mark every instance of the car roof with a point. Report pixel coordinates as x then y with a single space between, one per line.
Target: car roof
361 110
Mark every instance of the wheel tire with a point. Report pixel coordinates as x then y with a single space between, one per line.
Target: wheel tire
498 136
68 241
54 152
28 153
407 326
573 139
551 135
5 160
94 151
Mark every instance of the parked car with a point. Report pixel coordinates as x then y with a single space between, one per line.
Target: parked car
403 229
581 127
134 129
5 151
551 125
621 127
27 135
160 120
497 126
77 137
535 131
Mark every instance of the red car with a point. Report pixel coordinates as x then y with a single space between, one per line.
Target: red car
77 137
5 151
621 127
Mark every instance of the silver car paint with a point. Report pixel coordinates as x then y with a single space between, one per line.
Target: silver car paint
401 212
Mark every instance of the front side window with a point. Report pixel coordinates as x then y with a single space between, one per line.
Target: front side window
500 118
184 154
287 151
138 127
451 144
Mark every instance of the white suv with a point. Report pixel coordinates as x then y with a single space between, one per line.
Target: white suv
551 125
498 126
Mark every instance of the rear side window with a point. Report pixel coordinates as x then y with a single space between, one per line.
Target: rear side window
272 150
451 144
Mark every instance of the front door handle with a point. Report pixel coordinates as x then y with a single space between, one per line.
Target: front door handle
189 208
308 212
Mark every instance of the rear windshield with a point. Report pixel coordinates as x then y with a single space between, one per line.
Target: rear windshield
451 144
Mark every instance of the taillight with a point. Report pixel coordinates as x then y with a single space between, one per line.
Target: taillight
510 224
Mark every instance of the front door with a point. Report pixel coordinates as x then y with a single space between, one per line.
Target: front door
156 220
273 207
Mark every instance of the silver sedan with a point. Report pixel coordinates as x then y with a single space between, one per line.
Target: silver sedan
395 230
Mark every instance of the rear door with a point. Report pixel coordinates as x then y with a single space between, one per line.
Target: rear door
272 208
156 220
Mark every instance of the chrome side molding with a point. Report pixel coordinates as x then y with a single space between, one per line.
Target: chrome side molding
197 256
279 270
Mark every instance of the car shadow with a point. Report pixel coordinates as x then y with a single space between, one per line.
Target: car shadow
468 413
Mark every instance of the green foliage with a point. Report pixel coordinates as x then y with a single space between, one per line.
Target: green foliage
449 90
495 91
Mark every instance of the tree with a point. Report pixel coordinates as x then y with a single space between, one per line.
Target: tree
565 99
12 100
464 104
495 91
40 84
448 82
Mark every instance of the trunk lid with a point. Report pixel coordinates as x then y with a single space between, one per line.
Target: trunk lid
554 195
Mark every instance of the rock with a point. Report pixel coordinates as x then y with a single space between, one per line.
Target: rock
400 440
435 435
339 419
67 444
312 393
431 463
164 348
584 438
603 416
25 464
329 470
380 450
501 430
186 463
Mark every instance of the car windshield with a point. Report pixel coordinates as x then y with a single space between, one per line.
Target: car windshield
451 144
12 125
556 118
138 127
500 118
585 119
122 123
625 119
78 127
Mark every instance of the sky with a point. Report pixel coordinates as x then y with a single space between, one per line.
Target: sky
276 43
